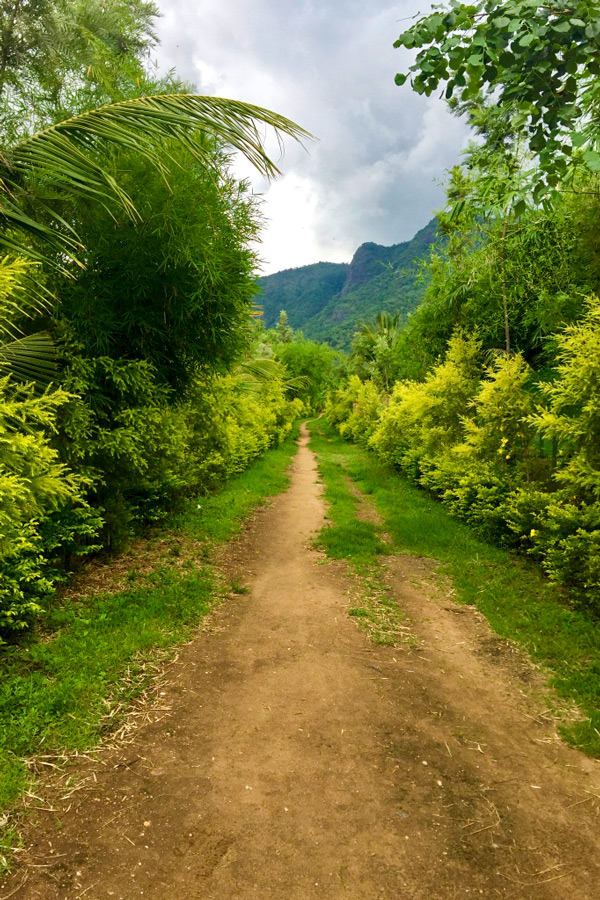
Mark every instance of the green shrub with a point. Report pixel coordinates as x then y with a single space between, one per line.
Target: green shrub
424 419
363 417
34 484
119 431
572 417
340 402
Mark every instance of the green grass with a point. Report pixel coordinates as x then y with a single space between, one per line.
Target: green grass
360 543
512 593
217 517
57 688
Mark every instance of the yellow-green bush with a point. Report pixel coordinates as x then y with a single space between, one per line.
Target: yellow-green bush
142 452
519 464
362 420
476 475
567 535
340 402
231 425
33 485
83 466
424 419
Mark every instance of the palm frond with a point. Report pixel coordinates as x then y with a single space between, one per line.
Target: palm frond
29 359
264 368
22 295
254 373
62 160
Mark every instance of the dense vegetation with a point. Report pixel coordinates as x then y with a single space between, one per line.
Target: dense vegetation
489 397
133 372
509 590
62 695
327 301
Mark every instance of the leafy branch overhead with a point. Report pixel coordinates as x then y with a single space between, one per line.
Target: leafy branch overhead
63 160
539 61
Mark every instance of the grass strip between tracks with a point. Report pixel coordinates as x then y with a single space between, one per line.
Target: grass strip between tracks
518 601
58 688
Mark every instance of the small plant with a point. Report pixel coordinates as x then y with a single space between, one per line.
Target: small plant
238 588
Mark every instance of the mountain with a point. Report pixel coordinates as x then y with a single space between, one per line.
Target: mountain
327 301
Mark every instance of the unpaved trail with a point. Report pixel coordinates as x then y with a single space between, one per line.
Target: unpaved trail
301 761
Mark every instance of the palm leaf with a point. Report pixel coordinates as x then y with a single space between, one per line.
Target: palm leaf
29 359
254 373
62 160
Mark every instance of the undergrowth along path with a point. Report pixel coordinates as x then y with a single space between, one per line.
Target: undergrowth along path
299 759
74 683
515 597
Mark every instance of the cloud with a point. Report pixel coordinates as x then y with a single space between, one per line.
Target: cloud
330 66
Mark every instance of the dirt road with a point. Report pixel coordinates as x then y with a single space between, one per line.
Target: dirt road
299 760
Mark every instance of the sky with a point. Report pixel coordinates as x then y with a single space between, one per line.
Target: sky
376 170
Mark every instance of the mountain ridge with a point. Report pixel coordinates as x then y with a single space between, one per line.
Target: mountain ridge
327 301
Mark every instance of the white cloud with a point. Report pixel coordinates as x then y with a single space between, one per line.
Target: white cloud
330 66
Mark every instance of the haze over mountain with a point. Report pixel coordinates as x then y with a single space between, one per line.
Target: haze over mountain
327 301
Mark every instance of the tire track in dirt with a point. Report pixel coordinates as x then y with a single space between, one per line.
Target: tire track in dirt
301 761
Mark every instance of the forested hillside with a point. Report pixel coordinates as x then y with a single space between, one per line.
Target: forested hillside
327 301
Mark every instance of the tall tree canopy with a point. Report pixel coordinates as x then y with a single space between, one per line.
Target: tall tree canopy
57 53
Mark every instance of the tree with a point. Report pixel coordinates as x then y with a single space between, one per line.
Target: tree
313 366
372 353
284 333
53 52
539 62
64 160
175 287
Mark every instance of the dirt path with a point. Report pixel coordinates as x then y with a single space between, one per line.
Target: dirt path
301 761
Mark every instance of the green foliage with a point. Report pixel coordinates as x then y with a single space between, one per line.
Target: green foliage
542 267
33 484
231 427
136 455
374 350
573 414
315 365
52 50
481 441
475 476
423 420
157 303
284 333
567 533
64 161
119 430
142 454
354 408
537 61
174 288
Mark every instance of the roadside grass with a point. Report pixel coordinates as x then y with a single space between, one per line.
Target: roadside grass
516 598
90 656
358 542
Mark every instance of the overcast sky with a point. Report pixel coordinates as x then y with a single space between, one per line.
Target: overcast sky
375 173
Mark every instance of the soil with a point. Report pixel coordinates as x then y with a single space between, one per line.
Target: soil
298 760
